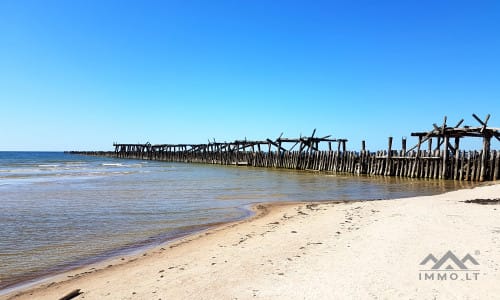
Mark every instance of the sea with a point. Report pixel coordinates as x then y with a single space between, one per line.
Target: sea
59 211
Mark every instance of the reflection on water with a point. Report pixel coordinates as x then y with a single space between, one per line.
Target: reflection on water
59 210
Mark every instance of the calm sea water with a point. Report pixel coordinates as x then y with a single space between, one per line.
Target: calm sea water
59 211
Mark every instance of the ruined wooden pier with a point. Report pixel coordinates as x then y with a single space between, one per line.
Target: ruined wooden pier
444 161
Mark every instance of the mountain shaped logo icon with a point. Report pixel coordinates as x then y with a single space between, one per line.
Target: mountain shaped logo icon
449 261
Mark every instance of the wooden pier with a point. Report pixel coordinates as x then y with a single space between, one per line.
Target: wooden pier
444 161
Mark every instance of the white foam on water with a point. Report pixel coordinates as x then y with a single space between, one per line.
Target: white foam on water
112 165
48 166
71 163
121 173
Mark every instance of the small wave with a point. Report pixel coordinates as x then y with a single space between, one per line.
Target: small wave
22 171
48 166
96 173
251 196
121 173
112 165
75 163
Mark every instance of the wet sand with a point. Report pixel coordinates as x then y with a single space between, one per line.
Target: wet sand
325 250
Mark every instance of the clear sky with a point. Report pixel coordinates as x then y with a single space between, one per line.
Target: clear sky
81 74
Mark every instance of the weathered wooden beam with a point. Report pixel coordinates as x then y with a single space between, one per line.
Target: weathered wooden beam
479 120
277 145
444 166
484 157
388 162
71 295
444 125
296 143
457 144
459 123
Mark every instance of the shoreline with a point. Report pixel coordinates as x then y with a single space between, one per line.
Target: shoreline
135 250
255 211
130 250
191 244
28 260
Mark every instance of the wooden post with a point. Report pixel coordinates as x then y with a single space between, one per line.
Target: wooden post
468 166
363 146
278 158
445 158
268 154
309 155
388 164
456 162
237 147
496 174
457 144
220 154
491 173
484 157
403 145
414 163
420 144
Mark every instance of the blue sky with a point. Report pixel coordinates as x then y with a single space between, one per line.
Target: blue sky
83 74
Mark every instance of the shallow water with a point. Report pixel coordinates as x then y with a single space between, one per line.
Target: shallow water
60 210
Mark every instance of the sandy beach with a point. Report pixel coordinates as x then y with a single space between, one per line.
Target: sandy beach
386 249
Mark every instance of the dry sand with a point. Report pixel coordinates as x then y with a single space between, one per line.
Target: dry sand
359 250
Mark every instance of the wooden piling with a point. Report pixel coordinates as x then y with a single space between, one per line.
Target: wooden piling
448 163
484 157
